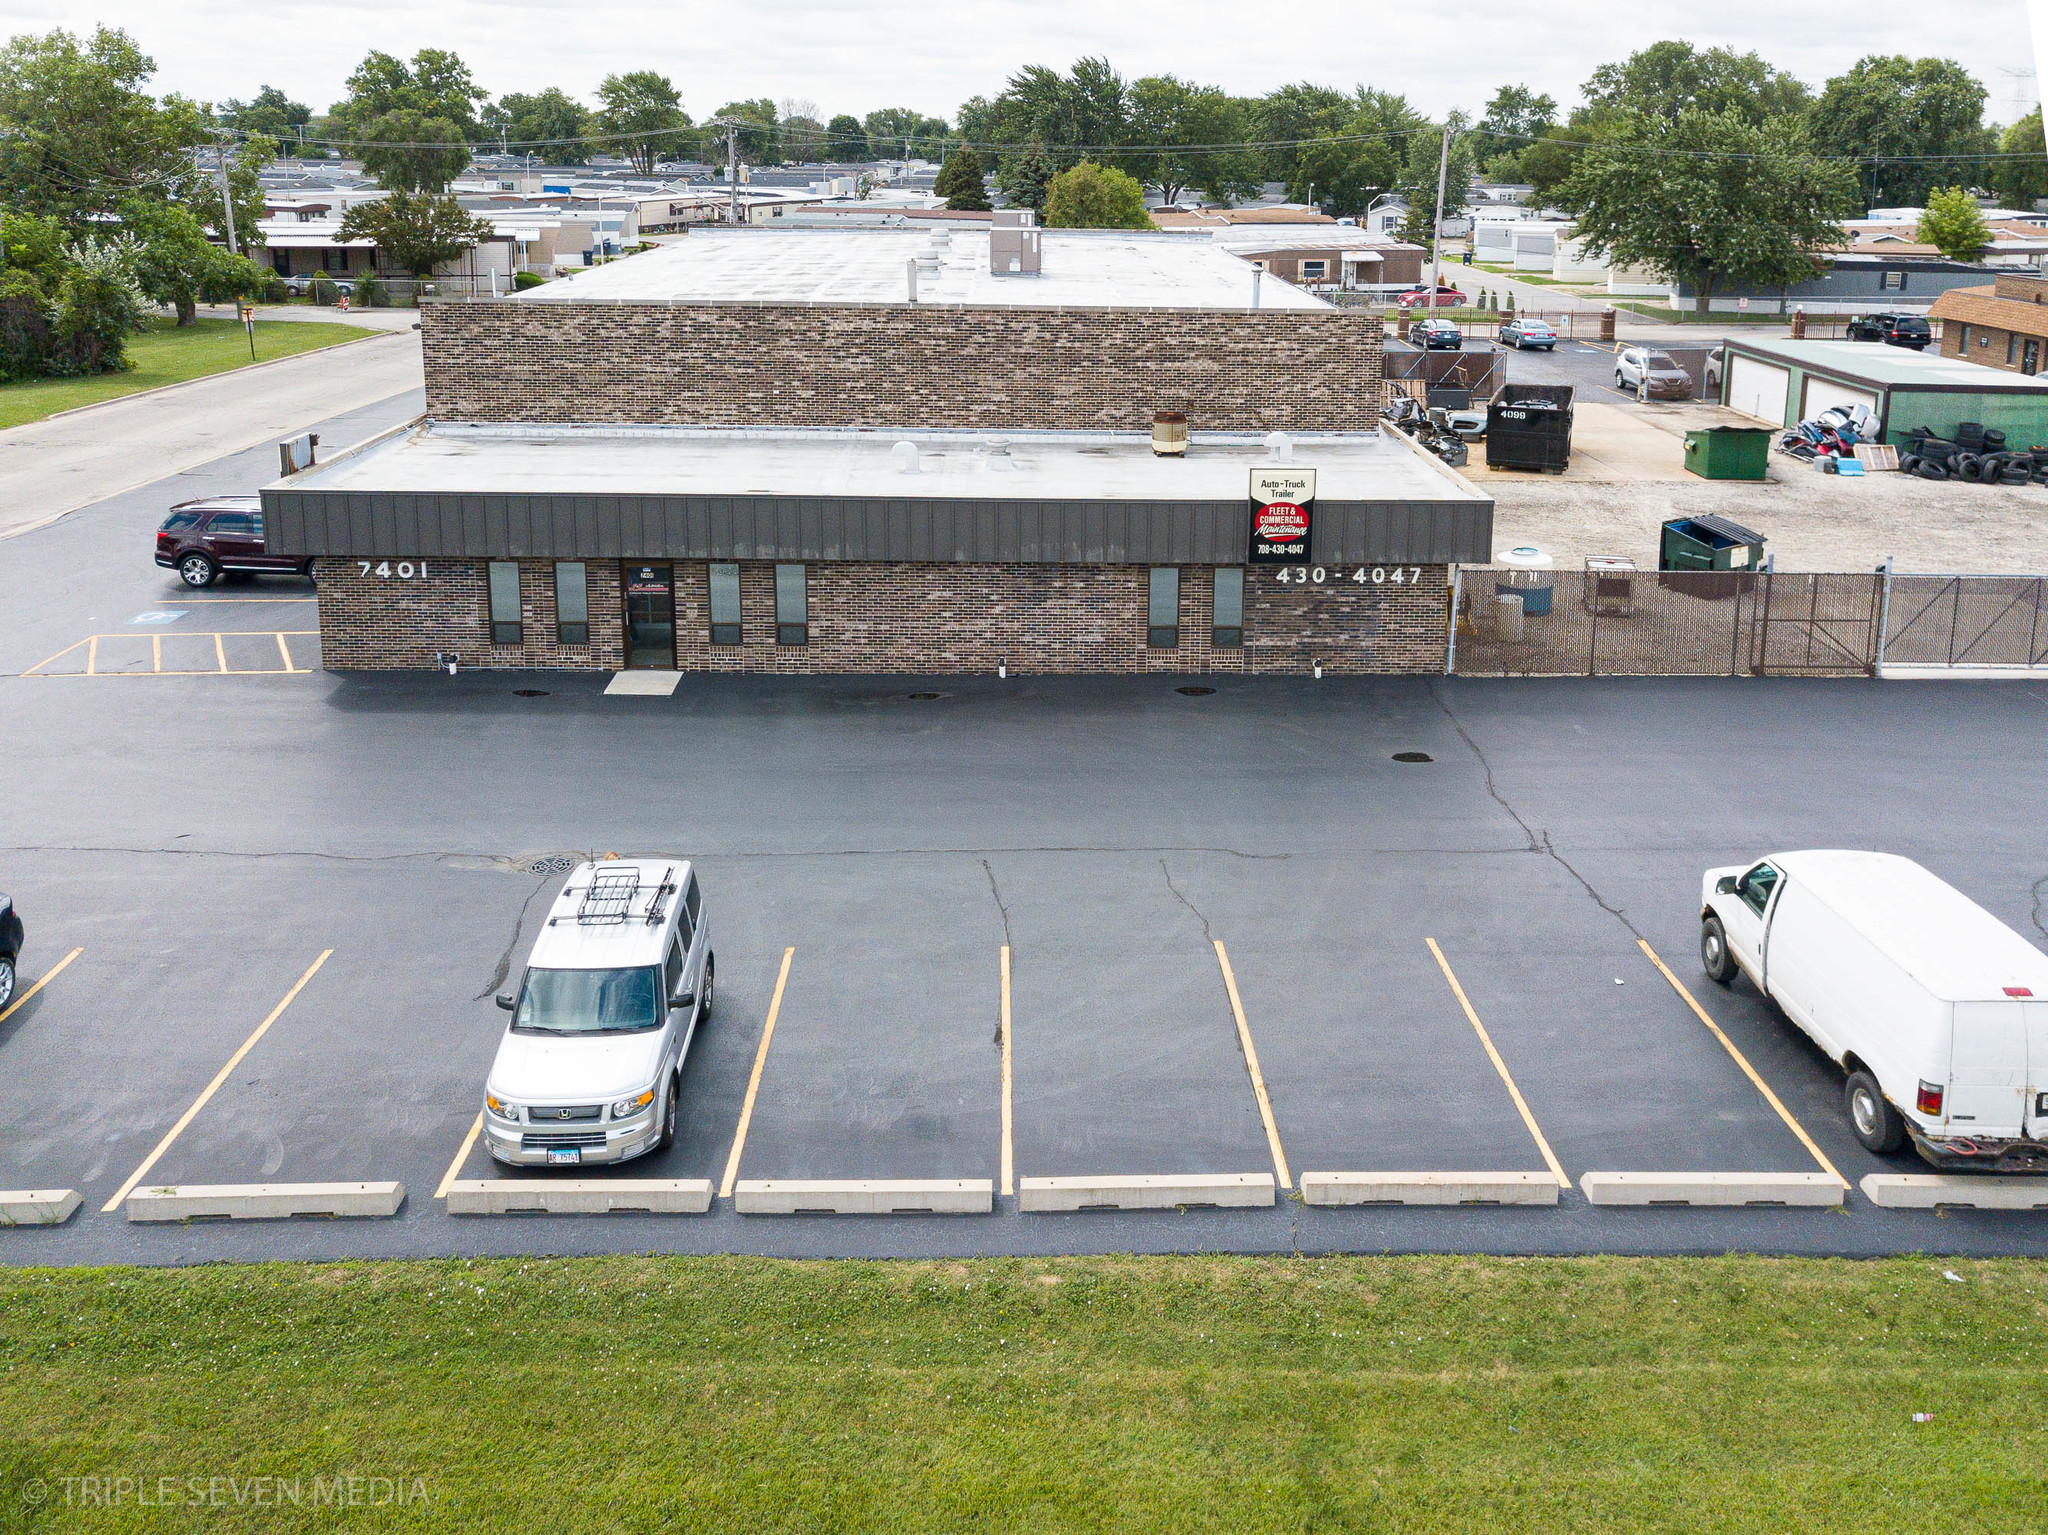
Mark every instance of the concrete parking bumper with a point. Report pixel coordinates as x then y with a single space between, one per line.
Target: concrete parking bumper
1933 1191
38 1207
587 1196
864 1196
1429 1188
1146 1192
1805 1189
263 1201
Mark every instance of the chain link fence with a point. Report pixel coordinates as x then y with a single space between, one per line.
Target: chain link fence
1966 621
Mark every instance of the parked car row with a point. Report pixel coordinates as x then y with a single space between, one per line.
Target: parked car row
1907 330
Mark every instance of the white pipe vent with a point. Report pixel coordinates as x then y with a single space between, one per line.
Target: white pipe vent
905 454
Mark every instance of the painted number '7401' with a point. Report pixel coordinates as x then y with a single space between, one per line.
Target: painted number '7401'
384 570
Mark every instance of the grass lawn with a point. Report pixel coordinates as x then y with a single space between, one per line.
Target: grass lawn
1168 1394
165 354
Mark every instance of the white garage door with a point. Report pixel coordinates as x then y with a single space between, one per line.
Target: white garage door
1758 389
1824 394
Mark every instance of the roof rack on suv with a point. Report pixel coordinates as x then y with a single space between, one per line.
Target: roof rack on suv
609 896
662 892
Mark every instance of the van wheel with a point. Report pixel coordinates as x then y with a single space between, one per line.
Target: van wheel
704 995
1714 956
668 1114
6 982
1879 1127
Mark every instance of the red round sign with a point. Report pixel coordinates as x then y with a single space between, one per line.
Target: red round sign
1280 522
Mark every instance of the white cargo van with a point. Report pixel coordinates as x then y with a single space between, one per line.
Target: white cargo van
1936 1009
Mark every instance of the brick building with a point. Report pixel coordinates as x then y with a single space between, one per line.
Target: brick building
883 451
2001 325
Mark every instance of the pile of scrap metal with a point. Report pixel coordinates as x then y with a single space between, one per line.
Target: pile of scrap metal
1435 430
1976 455
1833 434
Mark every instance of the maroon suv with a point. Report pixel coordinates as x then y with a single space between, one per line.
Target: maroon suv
202 539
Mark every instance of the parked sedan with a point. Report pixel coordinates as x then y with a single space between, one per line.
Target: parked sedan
1907 330
1635 367
1446 297
1524 335
1716 361
202 539
302 284
1435 335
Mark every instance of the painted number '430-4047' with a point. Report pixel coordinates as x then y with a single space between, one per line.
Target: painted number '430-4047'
1364 575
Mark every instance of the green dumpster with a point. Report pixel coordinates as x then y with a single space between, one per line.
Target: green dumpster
1709 543
1728 452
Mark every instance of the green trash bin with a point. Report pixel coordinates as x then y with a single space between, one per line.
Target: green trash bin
1709 543
1728 452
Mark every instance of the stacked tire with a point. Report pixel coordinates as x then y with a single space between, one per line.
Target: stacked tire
1976 455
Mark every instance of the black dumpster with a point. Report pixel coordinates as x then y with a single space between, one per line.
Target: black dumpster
1529 426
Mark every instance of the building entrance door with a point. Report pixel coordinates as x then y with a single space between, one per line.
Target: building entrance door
650 616
2030 358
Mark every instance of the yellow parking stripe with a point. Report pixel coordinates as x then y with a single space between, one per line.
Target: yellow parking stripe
157 668
1747 1070
739 1139
1501 1066
48 976
213 1087
1251 1063
1009 1157
468 1141
220 654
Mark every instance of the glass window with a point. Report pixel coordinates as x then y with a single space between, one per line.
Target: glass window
177 522
2012 348
673 970
692 902
1755 887
1314 268
505 627
684 930
233 524
792 609
1163 629
1229 609
725 604
572 603
589 1001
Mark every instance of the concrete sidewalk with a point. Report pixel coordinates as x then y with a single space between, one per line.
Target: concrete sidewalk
48 468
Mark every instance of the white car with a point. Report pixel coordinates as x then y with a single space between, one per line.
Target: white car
590 1068
1937 1010
1644 371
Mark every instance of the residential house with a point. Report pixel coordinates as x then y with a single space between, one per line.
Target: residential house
2001 325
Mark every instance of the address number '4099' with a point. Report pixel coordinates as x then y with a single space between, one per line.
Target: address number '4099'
1364 575
384 570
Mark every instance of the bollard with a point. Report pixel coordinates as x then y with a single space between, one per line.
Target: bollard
1607 325
1798 324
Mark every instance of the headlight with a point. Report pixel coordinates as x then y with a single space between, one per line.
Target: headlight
633 1105
501 1108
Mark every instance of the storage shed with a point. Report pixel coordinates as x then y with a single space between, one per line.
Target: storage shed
1785 382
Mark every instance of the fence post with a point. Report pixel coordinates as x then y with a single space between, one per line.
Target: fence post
1760 637
1955 617
1884 613
1457 589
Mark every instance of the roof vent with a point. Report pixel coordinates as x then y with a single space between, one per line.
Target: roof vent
1281 447
996 455
905 454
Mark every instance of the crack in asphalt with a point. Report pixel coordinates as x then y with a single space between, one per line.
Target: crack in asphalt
996 892
1539 838
518 927
2040 894
1190 905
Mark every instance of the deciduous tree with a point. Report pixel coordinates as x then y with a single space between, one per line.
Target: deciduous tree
1091 196
2021 177
416 231
1913 124
1193 136
1953 224
847 139
549 123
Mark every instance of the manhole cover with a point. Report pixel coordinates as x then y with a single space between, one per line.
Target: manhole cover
1195 692
924 697
555 865
529 692
1413 757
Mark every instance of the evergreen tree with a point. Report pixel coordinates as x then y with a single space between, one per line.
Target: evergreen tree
960 182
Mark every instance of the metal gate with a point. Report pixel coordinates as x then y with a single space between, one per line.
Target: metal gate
1948 621
1665 624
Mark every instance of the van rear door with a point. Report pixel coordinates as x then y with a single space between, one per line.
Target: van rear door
2037 1068
1988 1069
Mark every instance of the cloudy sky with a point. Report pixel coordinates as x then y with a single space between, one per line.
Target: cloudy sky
855 57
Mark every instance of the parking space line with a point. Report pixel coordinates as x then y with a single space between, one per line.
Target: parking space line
739 1139
1747 1070
455 1167
286 651
49 975
1251 1062
1009 1155
92 656
220 654
213 1087
156 652
1499 1065
60 655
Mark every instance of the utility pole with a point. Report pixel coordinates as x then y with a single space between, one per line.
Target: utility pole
732 168
227 193
1436 229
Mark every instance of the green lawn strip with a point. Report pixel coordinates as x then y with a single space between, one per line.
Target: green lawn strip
165 353
1423 1394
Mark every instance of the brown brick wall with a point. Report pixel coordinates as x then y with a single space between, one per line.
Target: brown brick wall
890 365
904 618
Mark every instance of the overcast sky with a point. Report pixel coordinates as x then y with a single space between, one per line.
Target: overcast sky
856 57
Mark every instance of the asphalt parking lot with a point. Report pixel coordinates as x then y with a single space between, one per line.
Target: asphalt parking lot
1062 928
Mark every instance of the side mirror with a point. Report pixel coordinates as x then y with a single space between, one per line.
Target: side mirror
683 999
1725 885
507 1001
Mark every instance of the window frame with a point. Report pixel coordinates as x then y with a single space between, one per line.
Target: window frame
1743 887
1160 636
724 631
1321 272
504 631
792 604
1224 636
572 631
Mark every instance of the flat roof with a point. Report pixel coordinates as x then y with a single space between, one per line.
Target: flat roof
1082 269
1890 366
863 465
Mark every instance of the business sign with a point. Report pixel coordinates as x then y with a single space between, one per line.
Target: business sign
1283 511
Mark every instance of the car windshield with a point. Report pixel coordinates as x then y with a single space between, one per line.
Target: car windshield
588 1001
1909 322
1664 364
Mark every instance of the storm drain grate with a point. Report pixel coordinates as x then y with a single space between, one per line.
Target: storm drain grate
556 865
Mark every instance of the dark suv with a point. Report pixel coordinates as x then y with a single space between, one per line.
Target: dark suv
1892 329
202 539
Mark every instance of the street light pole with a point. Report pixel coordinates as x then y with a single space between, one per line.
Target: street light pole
732 169
227 193
1436 229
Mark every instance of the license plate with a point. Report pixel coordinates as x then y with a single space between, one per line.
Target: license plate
569 1155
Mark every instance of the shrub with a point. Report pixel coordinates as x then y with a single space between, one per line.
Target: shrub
523 280
269 288
98 308
1091 196
370 293
324 290
24 327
